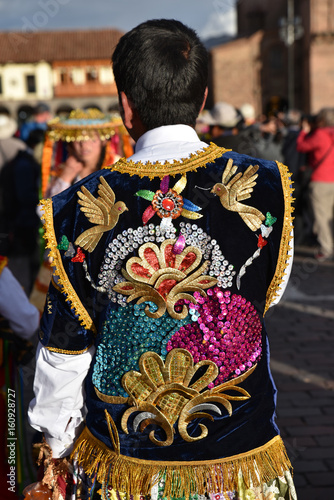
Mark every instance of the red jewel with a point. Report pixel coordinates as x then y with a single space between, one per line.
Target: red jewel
261 242
168 204
79 257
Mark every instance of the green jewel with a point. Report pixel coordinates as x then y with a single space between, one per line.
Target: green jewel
64 243
270 220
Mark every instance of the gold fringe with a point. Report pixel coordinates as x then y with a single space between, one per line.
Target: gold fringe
181 479
63 281
151 170
283 257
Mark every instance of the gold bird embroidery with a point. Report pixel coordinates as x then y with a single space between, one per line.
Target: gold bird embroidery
101 211
232 190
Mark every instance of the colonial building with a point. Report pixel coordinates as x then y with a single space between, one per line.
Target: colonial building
254 67
65 69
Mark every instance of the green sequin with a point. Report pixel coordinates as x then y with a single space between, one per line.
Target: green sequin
126 334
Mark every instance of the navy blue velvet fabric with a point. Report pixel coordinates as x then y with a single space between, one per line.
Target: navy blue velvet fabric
252 422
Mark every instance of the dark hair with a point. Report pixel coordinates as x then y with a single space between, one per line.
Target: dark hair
162 66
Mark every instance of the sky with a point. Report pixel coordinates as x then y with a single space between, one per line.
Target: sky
210 18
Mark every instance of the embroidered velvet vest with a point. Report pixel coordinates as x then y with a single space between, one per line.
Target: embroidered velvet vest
169 270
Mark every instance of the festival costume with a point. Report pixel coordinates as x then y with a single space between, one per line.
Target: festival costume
80 125
168 269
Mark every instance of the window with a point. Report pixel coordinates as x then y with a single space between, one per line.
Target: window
31 84
91 75
276 58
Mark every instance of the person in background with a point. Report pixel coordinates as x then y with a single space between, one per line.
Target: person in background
19 321
19 197
9 145
40 117
152 371
317 141
226 129
301 172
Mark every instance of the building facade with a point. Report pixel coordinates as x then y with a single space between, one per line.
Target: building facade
65 69
254 67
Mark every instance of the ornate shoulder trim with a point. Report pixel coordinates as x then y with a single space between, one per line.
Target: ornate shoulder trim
63 281
283 257
181 479
151 170
3 263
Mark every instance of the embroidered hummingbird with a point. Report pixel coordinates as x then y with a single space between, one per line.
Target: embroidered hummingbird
101 211
237 187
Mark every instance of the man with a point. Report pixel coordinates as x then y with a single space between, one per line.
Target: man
163 275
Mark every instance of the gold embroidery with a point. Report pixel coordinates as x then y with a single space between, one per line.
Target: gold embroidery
195 161
283 257
66 351
162 395
163 278
63 281
113 433
234 189
101 211
49 303
181 479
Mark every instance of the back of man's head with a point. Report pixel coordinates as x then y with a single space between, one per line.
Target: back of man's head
162 67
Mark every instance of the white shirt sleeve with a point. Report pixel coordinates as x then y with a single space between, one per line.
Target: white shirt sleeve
22 316
58 408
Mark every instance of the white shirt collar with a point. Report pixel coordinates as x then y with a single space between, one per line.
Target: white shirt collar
170 142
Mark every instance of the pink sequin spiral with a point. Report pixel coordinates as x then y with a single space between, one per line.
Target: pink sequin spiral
227 331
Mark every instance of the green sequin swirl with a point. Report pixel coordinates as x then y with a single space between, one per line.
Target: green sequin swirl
126 334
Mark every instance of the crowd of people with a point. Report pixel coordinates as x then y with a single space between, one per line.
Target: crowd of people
180 332
305 143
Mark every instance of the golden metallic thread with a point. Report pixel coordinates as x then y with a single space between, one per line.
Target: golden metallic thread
151 170
287 236
65 351
101 211
63 281
236 187
162 389
147 287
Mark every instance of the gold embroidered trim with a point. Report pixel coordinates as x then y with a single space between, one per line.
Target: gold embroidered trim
283 257
63 281
151 170
65 351
3 263
134 476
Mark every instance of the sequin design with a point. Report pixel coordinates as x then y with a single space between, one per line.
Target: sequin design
168 203
225 329
176 391
127 243
266 230
119 352
164 278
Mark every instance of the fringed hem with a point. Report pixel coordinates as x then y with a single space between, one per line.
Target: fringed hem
181 479
283 257
57 264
